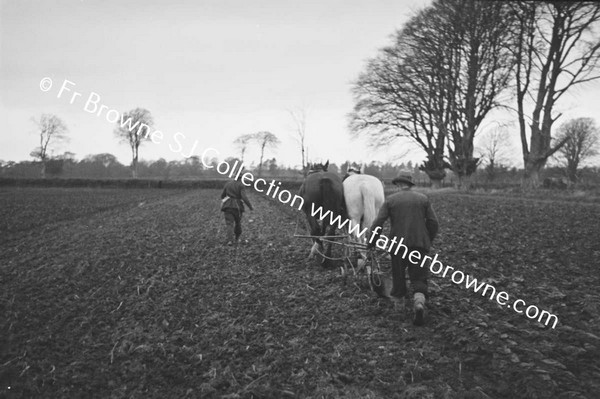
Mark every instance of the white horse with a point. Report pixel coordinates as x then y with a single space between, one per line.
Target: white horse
364 196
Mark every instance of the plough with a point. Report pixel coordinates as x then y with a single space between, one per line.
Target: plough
356 256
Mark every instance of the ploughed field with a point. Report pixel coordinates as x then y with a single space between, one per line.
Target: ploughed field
130 293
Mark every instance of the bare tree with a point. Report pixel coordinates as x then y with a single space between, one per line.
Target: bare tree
395 97
437 83
242 143
266 140
51 130
299 118
555 48
494 149
581 142
134 129
480 68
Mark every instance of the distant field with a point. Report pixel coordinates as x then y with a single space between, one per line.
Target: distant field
23 209
129 293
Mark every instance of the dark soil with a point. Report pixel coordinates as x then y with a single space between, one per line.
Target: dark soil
130 293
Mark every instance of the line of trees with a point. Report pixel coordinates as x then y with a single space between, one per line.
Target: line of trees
265 141
107 166
580 136
457 60
134 128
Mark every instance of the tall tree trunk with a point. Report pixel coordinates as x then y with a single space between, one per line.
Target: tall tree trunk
532 173
539 150
464 182
436 176
435 167
134 164
572 170
436 183
491 170
464 167
262 151
304 168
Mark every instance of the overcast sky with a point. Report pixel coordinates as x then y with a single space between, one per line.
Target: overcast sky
211 70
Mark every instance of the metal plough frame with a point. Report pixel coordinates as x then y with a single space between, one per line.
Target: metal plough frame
372 262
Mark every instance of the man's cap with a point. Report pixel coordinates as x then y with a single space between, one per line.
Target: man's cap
406 179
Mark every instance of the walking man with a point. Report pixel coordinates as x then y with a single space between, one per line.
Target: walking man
413 221
233 198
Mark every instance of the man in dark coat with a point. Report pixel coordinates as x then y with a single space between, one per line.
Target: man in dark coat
414 222
233 198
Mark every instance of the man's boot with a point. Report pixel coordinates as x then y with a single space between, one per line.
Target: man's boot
229 234
419 306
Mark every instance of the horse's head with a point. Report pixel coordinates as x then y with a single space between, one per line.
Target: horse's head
318 167
353 170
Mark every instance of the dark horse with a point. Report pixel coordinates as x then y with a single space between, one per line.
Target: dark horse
325 190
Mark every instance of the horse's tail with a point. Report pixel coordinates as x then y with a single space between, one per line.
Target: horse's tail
371 204
331 200
370 212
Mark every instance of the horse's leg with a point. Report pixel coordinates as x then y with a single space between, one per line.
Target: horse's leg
348 248
354 238
372 196
315 230
330 231
356 219
362 253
